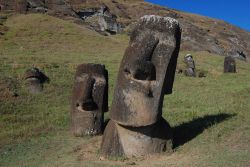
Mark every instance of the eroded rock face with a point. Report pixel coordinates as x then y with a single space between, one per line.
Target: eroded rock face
190 66
146 71
89 99
146 74
34 80
229 65
101 20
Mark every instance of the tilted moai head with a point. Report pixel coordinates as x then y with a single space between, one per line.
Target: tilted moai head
188 59
89 99
35 79
229 65
146 72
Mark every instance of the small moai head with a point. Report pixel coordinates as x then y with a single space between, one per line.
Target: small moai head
229 65
89 99
146 72
188 59
190 66
34 80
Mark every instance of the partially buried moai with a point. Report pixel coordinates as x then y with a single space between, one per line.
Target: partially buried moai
146 73
190 66
229 65
89 99
34 80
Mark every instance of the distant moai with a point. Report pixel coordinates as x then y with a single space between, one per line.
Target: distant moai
146 73
89 99
190 66
34 80
21 6
229 65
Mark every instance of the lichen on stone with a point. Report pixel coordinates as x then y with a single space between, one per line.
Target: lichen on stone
168 20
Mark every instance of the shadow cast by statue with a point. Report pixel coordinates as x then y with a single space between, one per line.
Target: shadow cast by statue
189 130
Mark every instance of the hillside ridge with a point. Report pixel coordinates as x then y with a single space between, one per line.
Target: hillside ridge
200 33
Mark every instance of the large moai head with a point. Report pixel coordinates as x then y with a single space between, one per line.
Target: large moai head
89 99
34 80
229 65
146 71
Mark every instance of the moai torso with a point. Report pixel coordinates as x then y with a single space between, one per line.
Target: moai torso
89 99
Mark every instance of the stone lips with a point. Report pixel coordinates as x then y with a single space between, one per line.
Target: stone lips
89 99
146 72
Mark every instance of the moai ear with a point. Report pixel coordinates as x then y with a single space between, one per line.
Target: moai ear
168 85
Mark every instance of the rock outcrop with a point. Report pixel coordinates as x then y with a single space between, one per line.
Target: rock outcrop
199 33
101 20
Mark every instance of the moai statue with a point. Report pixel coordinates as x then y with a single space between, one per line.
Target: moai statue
146 73
34 80
190 70
229 65
89 99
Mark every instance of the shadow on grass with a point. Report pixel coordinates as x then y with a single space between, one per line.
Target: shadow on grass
189 130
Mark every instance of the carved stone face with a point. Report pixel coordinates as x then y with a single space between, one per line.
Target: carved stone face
146 72
89 100
188 59
229 65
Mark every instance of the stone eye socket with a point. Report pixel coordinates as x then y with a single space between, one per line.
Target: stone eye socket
88 105
145 73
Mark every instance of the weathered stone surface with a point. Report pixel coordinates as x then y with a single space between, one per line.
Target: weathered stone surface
34 80
119 140
146 74
59 8
229 65
190 66
146 71
89 99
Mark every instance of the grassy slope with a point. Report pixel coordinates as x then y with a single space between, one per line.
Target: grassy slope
210 115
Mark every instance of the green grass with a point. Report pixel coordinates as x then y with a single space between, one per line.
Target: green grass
210 116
